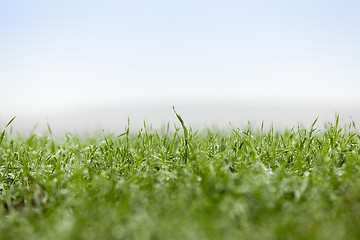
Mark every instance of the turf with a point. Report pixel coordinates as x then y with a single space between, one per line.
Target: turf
177 183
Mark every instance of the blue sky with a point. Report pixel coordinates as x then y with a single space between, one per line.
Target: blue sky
71 54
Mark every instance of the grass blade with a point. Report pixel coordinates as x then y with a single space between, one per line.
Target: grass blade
49 129
3 132
10 122
182 124
2 136
186 134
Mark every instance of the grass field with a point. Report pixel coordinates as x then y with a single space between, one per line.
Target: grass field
176 183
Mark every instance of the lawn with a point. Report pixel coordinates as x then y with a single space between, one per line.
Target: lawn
178 183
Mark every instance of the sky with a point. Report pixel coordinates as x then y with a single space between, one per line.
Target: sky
63 56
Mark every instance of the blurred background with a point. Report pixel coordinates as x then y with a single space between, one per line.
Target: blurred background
87 65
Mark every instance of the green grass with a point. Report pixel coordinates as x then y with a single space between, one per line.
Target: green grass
176 183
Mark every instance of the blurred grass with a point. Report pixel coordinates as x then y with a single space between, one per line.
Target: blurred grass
176 184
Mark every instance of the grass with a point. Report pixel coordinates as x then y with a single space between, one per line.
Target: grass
177 183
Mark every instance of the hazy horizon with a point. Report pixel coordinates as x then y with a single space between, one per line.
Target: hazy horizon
114 119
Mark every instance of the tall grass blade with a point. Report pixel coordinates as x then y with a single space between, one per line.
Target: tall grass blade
10 122
3 132
186 134
49 129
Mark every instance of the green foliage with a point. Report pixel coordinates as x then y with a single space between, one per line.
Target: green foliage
166 184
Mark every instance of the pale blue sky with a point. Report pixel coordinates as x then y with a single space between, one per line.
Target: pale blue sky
70 54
